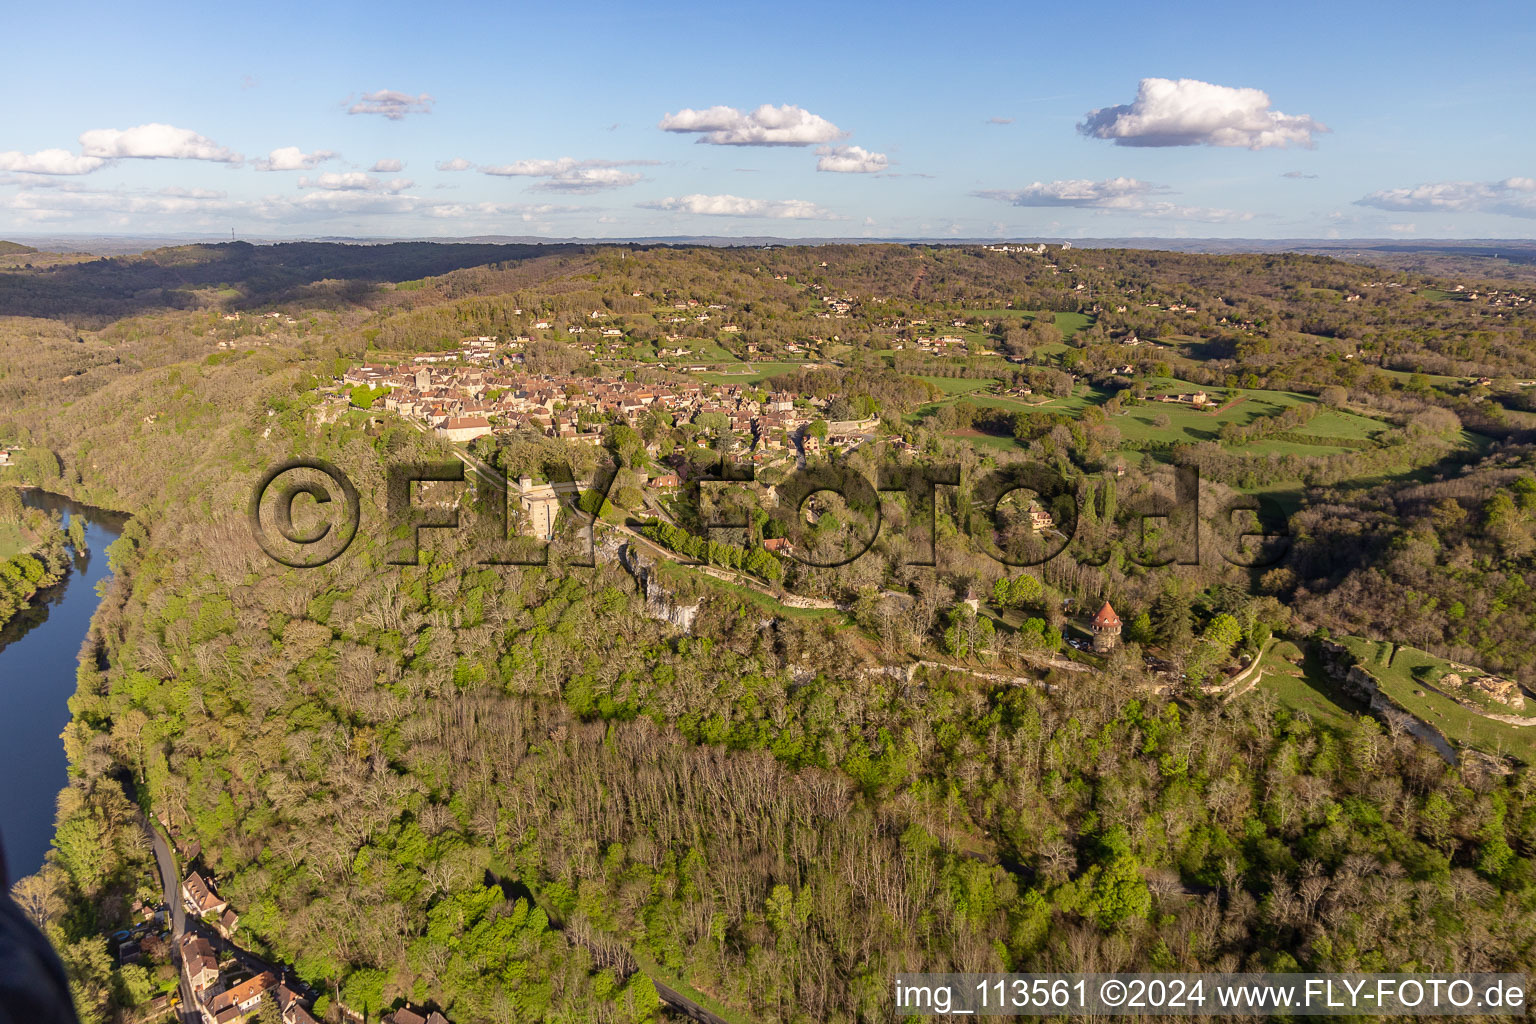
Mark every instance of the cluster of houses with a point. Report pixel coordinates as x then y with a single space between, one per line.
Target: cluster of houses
836 306
462 402
934 346
284 317
203 902
222 994
218 1001
1038 250
1494 297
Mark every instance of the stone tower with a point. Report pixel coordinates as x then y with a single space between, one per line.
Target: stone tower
1106 629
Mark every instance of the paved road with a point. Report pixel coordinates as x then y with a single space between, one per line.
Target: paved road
170 879
678 1001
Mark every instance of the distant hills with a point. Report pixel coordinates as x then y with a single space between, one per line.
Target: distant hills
14 248
1514 250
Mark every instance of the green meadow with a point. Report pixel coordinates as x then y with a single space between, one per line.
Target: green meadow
1069 323
750 373
11 541
1299 683
960 385
1410 676
1241 406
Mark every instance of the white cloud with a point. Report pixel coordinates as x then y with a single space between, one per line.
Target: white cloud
192 193
1297 175
1188 112
736 206
391 104
458 163
64 202
44 201
999 120
292 158
1402 229
387 166
1122 195
850 160
101 146
527 213
570 175
49 161
154 142
1514 197
355 181
766 126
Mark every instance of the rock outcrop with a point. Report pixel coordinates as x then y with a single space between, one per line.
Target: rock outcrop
661 604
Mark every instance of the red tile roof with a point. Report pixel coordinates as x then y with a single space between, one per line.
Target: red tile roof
1106 618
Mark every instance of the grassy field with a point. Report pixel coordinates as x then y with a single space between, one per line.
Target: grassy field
711 352
1069 323
1409 676
11 541
1083 395
1291 448
1188 424
986 442
750 373
1300 685
1337 423
960 385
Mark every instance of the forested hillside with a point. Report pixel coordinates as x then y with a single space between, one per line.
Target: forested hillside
503 790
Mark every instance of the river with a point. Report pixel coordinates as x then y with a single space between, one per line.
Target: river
38 653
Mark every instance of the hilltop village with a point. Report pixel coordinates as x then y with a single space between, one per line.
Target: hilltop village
462 402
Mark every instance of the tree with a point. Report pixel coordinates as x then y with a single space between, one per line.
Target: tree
268 1012
364 397
40 466
626 443
1024 589
1120 894
1170 620
363 990
11 508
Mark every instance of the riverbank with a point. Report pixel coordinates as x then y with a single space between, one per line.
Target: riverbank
39 654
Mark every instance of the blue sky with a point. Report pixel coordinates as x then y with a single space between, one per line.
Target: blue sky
808 120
